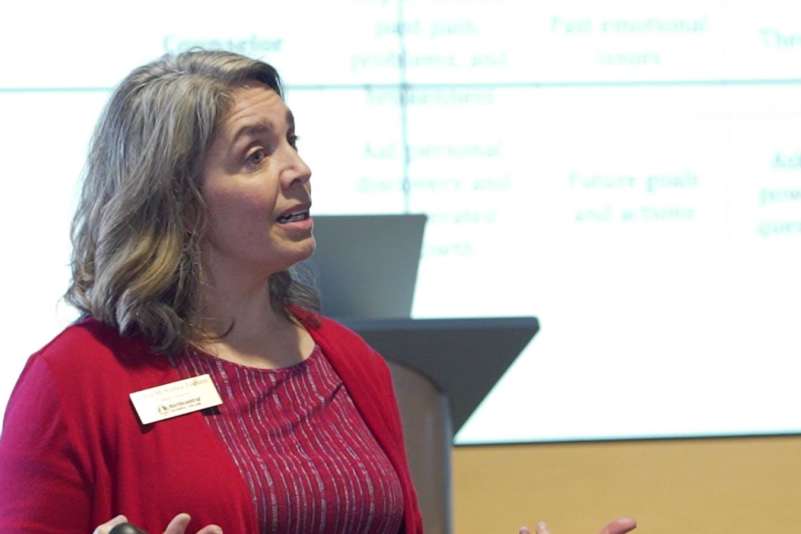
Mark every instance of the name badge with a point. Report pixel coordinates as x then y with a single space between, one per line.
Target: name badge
174 399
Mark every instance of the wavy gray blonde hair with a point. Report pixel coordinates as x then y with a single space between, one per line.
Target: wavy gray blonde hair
136 259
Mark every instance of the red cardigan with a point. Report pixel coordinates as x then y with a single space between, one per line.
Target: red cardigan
73 454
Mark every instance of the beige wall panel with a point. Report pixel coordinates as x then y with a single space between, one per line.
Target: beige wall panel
709 486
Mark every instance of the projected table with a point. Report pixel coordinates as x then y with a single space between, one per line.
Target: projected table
628 172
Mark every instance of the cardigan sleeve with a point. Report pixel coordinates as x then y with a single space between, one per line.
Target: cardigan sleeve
42 488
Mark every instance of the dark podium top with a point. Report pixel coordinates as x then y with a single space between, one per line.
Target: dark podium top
464 358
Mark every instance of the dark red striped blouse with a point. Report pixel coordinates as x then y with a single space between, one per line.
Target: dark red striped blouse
309 460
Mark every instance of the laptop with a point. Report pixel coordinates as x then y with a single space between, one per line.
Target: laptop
365 266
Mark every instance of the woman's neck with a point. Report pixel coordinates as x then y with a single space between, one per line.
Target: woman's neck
244 327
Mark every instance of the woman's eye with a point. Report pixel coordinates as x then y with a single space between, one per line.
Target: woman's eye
293 140
256 157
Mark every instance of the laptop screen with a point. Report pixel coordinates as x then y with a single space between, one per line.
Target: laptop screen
365 266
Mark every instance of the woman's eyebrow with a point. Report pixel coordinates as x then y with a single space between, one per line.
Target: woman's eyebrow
253 130
262 127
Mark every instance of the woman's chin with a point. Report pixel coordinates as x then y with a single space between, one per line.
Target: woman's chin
301 251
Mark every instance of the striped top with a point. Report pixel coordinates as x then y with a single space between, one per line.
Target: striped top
304 451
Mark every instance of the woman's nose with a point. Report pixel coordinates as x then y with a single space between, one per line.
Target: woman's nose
297 170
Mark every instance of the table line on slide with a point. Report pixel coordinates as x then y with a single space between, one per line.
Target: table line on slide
403 105
410 86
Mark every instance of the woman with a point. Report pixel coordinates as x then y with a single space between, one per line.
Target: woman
194 208
195 205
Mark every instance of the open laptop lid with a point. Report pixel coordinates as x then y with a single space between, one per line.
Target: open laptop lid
366 265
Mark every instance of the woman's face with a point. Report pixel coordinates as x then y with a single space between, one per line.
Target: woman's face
256 188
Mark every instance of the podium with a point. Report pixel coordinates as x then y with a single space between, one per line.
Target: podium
365 267
442 370
463 358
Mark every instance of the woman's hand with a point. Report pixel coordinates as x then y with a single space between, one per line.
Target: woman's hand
618 526
177 525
